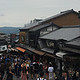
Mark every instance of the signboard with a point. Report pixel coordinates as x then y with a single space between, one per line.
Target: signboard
22 37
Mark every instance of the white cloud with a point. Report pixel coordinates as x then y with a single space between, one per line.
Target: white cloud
2 15
20 12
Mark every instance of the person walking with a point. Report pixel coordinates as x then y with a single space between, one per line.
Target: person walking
18 69
24 73
50 70
41 76
10 74
13 65
31 70
46 70
65 76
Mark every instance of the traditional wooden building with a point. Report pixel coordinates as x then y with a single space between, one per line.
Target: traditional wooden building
30 35
72 56
51 35
59 36
36 32
65 18
58 43
24 32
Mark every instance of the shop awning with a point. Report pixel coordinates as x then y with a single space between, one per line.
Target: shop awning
20 49
38 52
50 55
34 50
48 50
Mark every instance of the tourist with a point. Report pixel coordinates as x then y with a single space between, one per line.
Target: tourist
10 74
46 70
50 70
8 64
18 69
65 76
31 70
24 73
23 64
41 76
27 63
40 66
13 65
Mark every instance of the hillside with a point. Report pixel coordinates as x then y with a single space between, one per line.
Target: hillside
9 30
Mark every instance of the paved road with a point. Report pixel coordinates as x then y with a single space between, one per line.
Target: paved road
15 78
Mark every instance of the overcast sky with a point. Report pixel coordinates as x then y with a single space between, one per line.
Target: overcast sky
19 12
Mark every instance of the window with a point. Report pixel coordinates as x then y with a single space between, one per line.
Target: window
49 29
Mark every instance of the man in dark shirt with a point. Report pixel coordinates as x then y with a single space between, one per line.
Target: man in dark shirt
18 69
65 76
10 74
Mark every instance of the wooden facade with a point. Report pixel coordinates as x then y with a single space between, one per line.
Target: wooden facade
67 19
31 35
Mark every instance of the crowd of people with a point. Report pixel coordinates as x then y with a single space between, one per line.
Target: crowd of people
22 66
28 69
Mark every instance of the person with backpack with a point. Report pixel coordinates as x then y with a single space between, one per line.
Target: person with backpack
41 76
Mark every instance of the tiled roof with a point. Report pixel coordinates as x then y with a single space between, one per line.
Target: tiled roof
63 33
42 26
75 42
